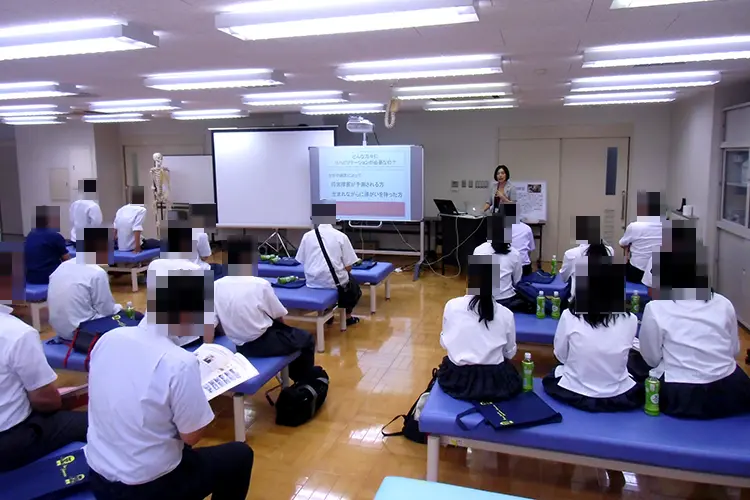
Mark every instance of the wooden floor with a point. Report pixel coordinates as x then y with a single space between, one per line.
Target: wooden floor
377 369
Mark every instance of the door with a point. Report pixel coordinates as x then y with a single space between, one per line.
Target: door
593 181
138 163
532 160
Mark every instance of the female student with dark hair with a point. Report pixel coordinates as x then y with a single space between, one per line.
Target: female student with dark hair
479 336
593 340
690 337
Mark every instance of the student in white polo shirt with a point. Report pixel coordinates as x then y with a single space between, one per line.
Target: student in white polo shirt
479 336
251 315
147 408
79 288
522 239
592 343
643 237
690 337
340 252
129 224
31 422
588 231
86 211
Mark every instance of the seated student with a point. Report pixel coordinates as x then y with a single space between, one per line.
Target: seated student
588 231
44 248
79 289
31 422
479 336
593 340
690 337
340 254
86 211
129 224
203 217
147 408
506 264
251 315
642 237
522 239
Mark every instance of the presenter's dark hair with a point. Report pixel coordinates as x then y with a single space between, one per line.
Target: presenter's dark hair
504 169
480 280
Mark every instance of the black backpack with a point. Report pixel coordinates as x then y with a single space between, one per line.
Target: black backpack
410 430
299 403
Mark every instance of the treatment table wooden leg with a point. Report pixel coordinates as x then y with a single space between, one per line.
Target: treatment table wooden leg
35 308
342 318
373 299
319 333
388 288
285 377
134 279
433 457
238 403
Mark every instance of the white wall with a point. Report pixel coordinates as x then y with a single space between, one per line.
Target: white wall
109 169
10 198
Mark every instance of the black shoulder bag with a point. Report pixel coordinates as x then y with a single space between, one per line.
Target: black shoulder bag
410 429
350 293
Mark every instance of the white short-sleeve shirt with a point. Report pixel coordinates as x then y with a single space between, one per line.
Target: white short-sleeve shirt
83 214
339 249
571 258
144 392
469 342
508 270
594 360
23 368
522 239
647 276
690 341
245 307
203 248
127 220
644 238
78 292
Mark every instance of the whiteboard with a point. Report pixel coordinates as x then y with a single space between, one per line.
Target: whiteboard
191 178
263 175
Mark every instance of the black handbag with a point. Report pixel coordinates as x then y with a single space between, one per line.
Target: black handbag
350 293
299 403
88 333
410 430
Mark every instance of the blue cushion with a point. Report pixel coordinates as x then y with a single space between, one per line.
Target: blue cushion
713 446
136 258
306 298
36 293
374 275
531 329
401 488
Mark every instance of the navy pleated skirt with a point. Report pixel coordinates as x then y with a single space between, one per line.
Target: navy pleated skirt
630 400
479 382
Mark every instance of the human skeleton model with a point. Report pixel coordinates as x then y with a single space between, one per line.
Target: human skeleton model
160 188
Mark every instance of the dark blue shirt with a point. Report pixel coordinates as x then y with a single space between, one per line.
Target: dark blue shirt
43 252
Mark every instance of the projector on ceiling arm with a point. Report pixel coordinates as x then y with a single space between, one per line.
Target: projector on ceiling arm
359 125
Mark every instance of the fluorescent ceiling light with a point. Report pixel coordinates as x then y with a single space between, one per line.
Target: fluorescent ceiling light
36 90
471 104
343 109
453 91
646 81
88 36
266 19
675 51
222 79
428 67
620 98
115 118
208 114
32 120
632 4
30 110
135 105
296 98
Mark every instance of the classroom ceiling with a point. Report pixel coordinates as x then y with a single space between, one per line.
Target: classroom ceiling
541 41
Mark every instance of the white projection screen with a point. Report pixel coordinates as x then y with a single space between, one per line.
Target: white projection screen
262 175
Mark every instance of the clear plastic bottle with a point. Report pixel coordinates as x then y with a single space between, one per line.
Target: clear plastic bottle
528 372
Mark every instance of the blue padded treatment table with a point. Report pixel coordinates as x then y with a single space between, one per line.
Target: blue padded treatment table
372 277
402 488
36 293
713 451
36 298
135 263
530 329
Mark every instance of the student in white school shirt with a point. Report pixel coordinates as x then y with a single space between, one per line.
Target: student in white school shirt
479 336
588 231
31 422
147 408
690 337
522 239
251 315
86 211
79 288
128 224
642 237
340 252
592 343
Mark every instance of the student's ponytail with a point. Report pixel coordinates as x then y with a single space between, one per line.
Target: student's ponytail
500 246
597 250
480 284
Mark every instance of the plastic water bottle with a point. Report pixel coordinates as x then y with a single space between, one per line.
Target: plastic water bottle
528 373
556 305
554 265
635 303
540 312
652 397
287 279
129 311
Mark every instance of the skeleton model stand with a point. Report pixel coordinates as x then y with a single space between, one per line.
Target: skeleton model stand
160 188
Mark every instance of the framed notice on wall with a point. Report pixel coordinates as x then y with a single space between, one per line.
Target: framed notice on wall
532 200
